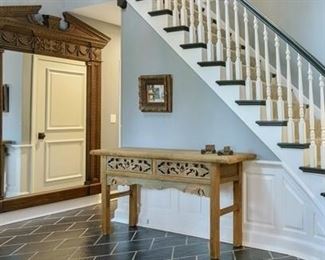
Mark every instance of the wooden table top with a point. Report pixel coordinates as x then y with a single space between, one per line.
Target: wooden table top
171 154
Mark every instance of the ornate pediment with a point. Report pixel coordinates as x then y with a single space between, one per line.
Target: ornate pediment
23 28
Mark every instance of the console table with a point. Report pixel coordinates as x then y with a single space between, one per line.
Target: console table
188 171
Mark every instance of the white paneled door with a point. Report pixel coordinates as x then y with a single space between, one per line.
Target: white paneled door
59 123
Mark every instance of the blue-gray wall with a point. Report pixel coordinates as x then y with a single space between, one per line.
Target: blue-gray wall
199 116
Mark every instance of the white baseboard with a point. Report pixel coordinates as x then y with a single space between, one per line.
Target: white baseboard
39 211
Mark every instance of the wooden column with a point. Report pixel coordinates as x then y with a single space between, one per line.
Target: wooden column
106 206
133 205
215 212
238 213
93 130
1 141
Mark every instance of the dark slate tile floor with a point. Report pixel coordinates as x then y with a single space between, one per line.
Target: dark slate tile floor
76 234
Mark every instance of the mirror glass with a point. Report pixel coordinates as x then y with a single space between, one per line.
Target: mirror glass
44 123
17 89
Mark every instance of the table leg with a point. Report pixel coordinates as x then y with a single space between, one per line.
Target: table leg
106 206
133 205
215 213
238 214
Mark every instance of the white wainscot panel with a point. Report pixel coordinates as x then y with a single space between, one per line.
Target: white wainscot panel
319 229
18 170
260 200
293 205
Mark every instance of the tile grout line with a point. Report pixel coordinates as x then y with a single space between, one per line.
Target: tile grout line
17 249
33 255
151 244
91 216
9 239
33 232
43 240
114 248
134 235
72 225
99 238
61 243
77 248
173 252
234 255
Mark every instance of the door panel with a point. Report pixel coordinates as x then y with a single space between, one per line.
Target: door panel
58 116
60 123
64 159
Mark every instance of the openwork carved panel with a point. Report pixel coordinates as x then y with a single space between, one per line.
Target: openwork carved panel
57 48
129 165
183 169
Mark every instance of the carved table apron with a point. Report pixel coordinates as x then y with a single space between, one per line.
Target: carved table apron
188 171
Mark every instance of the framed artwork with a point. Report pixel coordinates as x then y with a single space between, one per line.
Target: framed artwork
5 98
155 93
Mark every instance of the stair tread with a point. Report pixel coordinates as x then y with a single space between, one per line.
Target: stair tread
294 145
194 45
317 170
230 82
272 123
212 63
251 102
161 12
180 28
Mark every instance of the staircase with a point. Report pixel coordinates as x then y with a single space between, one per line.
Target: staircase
270 99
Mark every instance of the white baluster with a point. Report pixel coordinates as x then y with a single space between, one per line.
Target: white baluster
259 87
175 14
291 125
269 103
210 51
302 123
238 64
219 46
280 102
322 110
200 26
192 23
248 84
168 4
228 47
312 147
184 20
160 5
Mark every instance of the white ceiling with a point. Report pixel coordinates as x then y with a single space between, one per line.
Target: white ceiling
107 12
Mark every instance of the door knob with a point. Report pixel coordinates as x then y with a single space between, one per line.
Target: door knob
41 136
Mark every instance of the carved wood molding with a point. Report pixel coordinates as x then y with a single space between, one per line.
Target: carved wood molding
23 29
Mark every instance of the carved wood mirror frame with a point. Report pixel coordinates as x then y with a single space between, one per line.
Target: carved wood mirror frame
23 29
